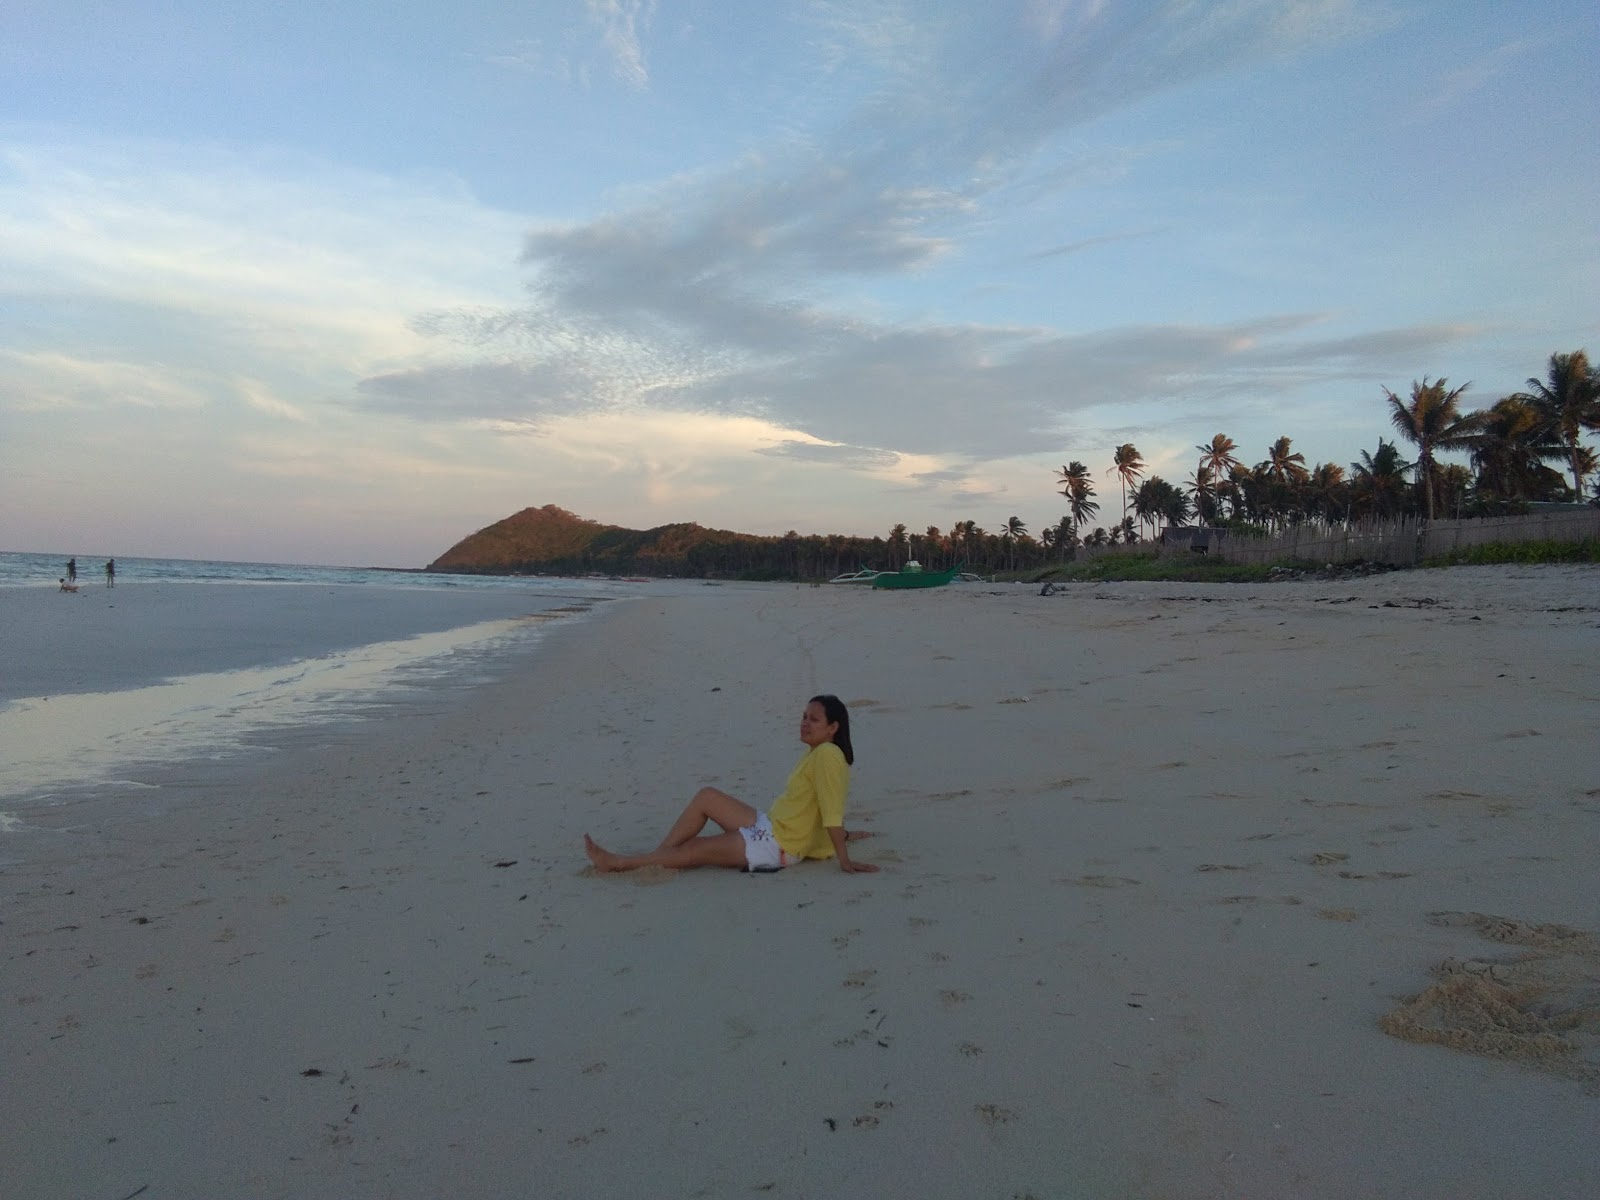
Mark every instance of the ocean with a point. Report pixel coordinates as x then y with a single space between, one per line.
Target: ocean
191 659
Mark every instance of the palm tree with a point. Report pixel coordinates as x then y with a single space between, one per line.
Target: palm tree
934 540
1010 535
1569 404
1205 504
1284 464
1378 482
1432 420
1218 458
897 546
1327 492
1510 445
1125 461
1078 488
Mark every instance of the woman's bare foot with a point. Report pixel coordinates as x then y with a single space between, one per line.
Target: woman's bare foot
602 858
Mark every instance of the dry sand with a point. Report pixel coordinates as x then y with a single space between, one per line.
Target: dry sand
1160 864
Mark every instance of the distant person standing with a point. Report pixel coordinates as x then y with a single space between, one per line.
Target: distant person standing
72 570
111 572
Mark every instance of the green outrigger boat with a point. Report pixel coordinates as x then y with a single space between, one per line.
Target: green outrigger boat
913 576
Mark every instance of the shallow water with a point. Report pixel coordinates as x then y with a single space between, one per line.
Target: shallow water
188 658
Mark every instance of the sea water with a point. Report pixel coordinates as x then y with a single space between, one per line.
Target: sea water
191 659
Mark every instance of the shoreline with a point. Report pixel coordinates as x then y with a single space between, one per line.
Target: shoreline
1155 863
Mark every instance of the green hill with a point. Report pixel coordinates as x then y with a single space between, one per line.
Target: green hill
551 540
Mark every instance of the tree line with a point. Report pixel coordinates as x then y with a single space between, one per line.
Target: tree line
1520 450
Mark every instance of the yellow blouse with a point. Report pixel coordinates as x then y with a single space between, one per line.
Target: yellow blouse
812 801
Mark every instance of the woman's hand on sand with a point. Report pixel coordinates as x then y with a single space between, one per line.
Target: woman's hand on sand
855 868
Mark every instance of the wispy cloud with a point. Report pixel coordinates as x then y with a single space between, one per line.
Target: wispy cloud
720 293
1456 86
622 23
44 381
268 253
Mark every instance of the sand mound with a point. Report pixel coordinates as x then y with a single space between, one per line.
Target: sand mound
1542 1008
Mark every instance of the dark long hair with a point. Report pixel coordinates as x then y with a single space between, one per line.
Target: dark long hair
833 708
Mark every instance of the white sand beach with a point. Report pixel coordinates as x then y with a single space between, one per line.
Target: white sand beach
1157 860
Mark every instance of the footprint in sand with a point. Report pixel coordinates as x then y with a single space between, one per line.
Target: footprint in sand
952 998
859 979
938 956
1289 900
1101 881
994 1114
870 1120
1339 914
148 971
843 940
920 922
1223 867
969 1050
1322 858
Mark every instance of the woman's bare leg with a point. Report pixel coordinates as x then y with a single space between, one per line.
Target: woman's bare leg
718 850
709 804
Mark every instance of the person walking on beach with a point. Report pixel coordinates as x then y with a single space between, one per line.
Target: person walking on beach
111 572
807 821
72 570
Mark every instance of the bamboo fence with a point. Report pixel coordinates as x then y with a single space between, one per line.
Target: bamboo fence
1401 543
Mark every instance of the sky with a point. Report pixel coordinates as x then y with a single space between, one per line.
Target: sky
343 283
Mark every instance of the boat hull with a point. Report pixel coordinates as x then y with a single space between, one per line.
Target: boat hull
915 579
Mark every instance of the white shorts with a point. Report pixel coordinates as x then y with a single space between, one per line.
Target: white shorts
761 849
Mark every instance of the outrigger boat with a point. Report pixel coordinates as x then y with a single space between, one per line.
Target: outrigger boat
864 575
913 576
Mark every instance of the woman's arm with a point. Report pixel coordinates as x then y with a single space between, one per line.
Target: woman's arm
839 838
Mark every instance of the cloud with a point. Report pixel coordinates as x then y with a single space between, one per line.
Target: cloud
831 454
621 23
515 392
322 265
1457 85
1105 239
47 381
263 399
736 292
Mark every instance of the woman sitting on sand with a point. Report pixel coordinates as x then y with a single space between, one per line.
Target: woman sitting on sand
807 821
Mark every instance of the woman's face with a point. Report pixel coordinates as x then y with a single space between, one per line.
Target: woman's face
815 728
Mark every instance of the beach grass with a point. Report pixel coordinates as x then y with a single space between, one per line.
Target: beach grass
1585 551
1150 568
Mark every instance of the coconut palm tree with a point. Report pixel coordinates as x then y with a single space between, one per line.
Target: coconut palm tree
1125 461
1431 420
1510 444
1569 402
1377 487
1066 536
1218 458
898 547
1285 464
1078 488
1205 501
1327 493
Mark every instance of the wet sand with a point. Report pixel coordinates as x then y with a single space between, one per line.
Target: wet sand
1161 863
